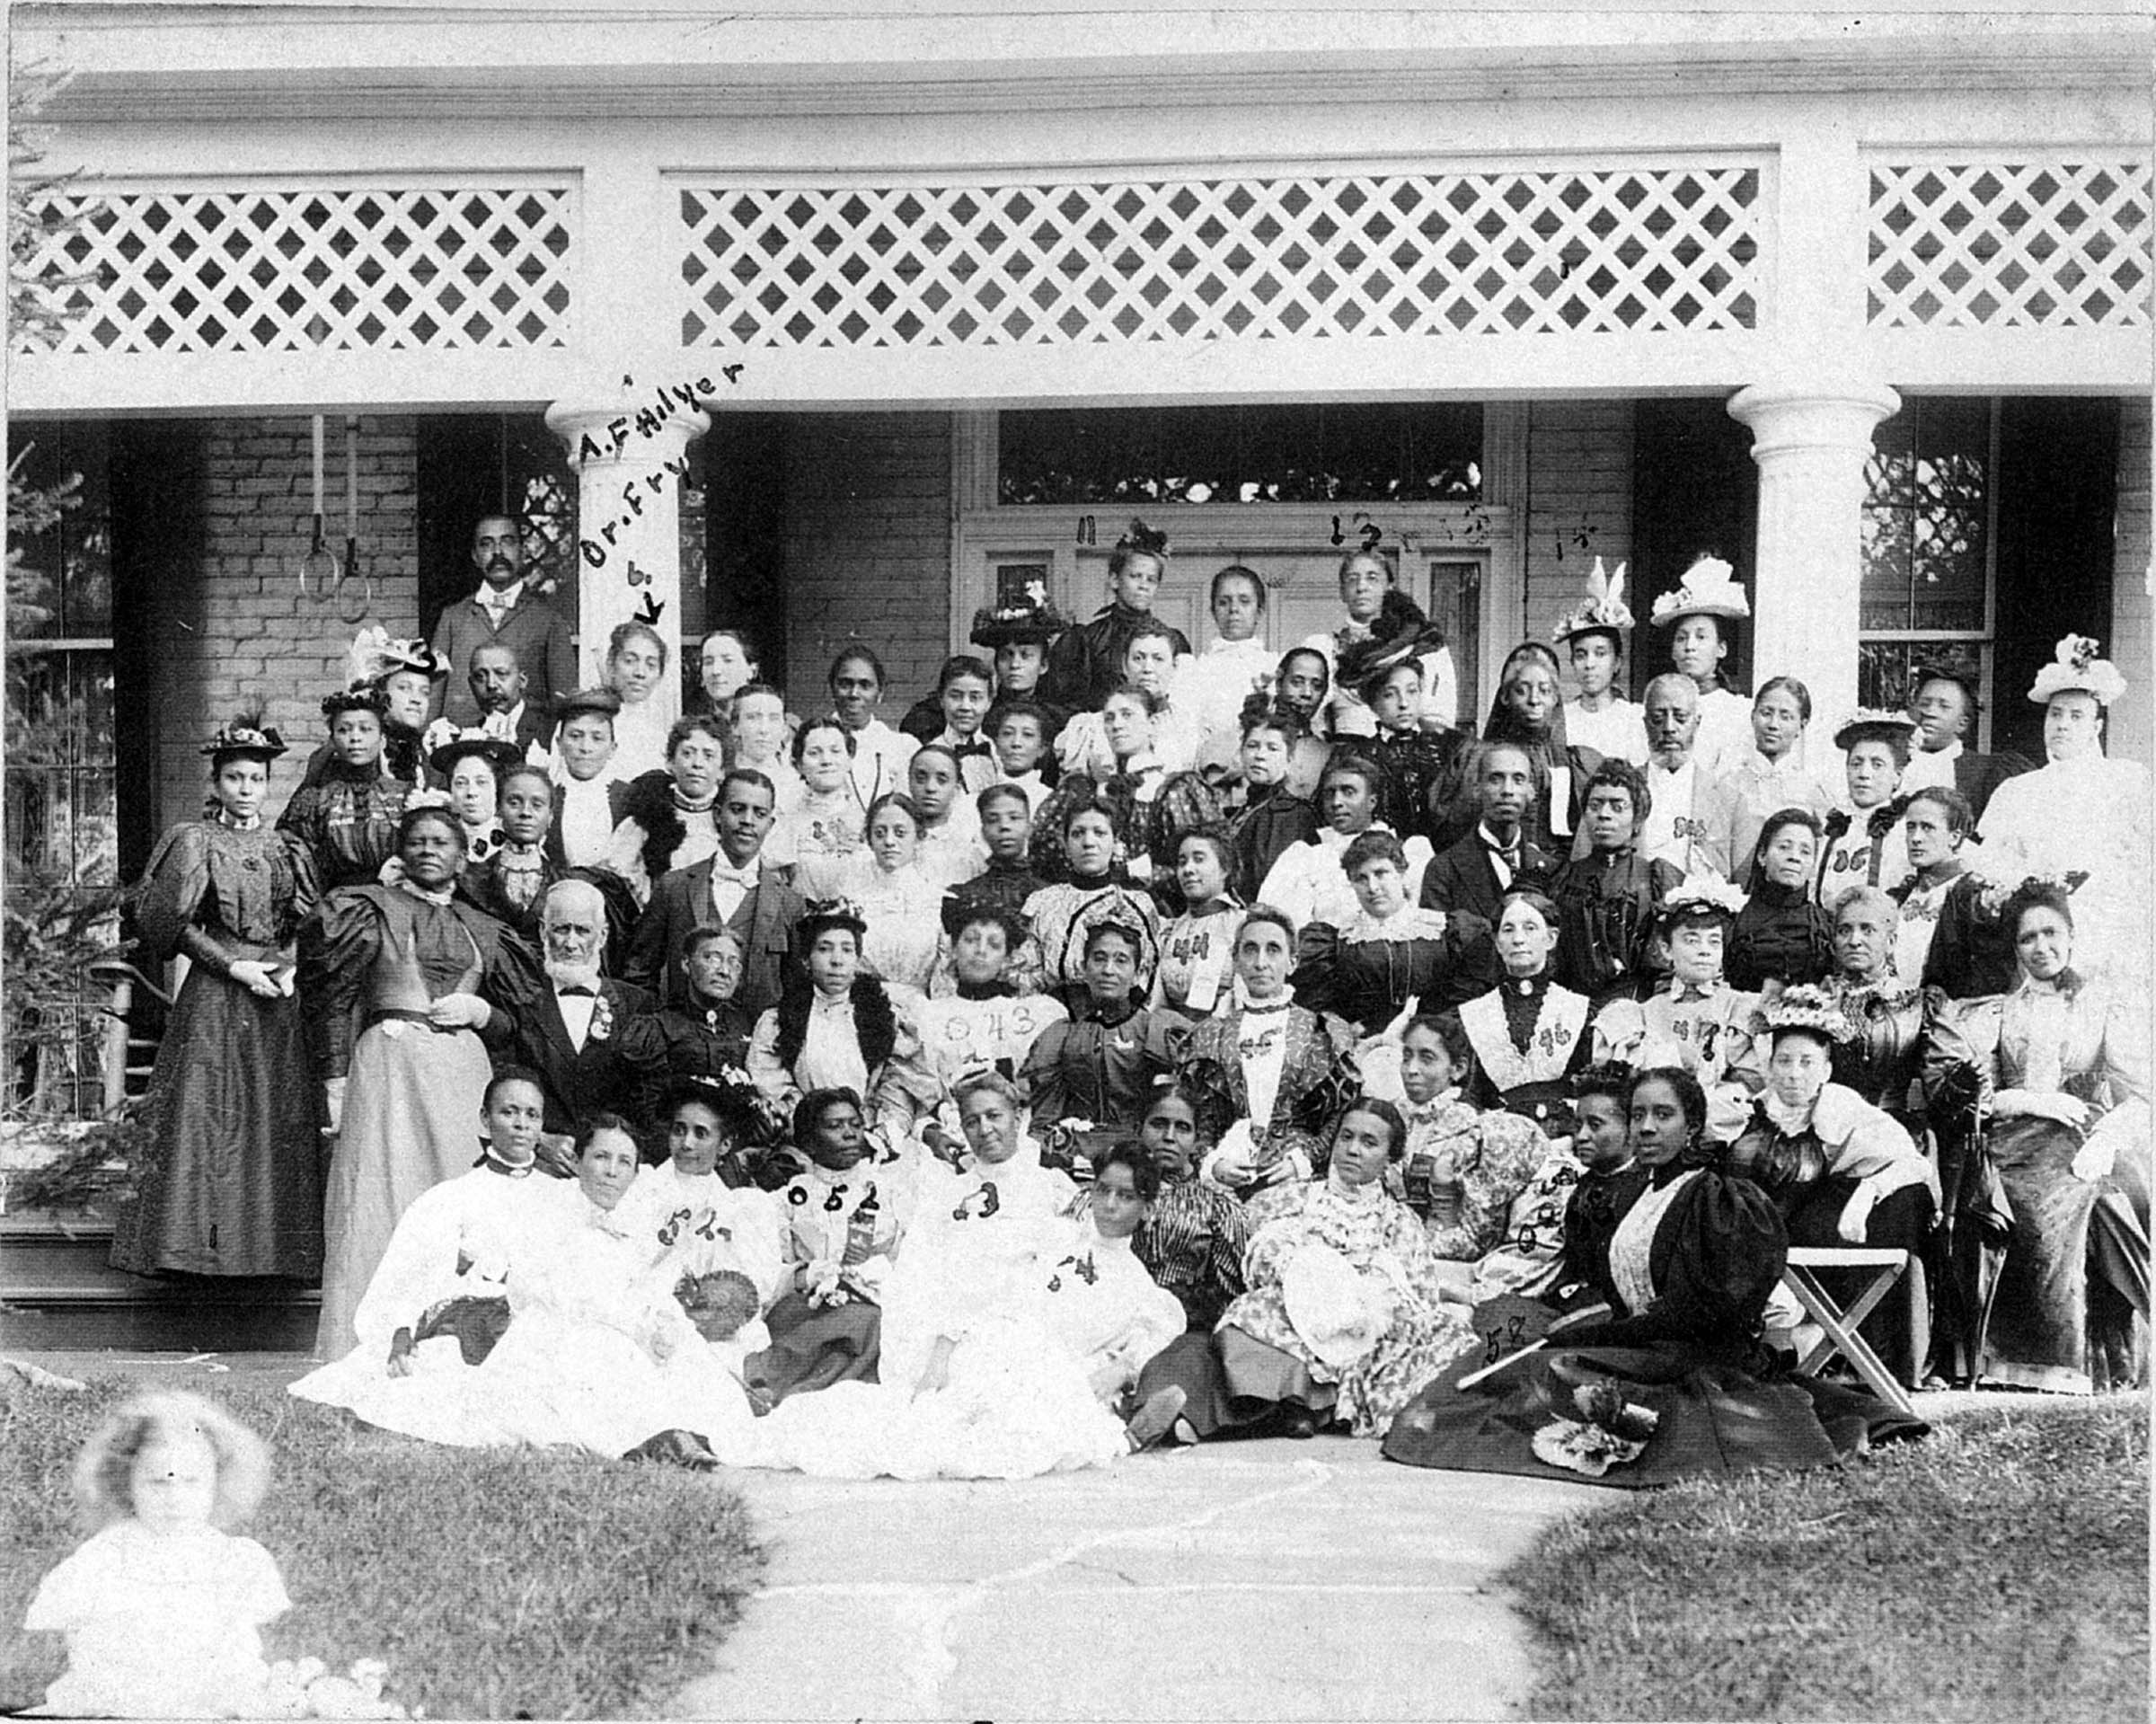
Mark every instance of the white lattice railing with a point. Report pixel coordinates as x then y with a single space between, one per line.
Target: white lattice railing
276 271
1626 250
2026 245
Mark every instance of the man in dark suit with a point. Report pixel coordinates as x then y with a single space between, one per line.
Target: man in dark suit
1945 709
735 890
1474 874
505 612
572 1039
501 688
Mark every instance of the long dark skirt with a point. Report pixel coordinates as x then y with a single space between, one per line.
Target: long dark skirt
1900 1329
2077 1262
814 1346
234 1182
1234 1384
1715 1417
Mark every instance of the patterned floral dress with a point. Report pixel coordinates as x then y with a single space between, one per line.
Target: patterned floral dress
1387 1245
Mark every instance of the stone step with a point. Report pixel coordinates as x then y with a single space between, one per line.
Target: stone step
58 1290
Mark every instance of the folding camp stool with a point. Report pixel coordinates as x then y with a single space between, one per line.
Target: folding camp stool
1841 1326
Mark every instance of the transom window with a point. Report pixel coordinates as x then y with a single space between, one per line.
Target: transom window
1377 452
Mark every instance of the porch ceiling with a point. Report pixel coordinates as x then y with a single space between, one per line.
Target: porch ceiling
393 58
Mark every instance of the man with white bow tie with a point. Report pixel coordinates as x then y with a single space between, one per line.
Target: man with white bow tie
736 888
573 1046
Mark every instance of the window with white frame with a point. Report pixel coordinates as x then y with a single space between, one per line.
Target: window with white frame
1930 534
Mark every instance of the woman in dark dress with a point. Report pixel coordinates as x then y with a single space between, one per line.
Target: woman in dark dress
347 821
1843 1172
235 1185
1391 950
1781 934
1529 713
1671 1380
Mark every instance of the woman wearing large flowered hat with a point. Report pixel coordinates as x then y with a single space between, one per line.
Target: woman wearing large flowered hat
2080 811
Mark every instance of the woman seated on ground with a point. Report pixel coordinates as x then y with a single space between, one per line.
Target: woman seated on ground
1198 947
1842 1171
2064 1061
1342 1320
686 1211
843 1215
1193 1238
600 1353
823 835
1268 1075
1781 937
1095 889
898 904
1489 1186
1391 950
1008 1331
1529 1035
1663 1384
440 1280
833 1027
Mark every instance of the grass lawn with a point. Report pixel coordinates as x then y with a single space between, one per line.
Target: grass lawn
496 1585
1998 1569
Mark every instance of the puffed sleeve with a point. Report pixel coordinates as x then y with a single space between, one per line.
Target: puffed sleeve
1726 1247
419 1260
171 891
76 1591
2125 1055
305 895
772 1078
513 983
1316 978
336 950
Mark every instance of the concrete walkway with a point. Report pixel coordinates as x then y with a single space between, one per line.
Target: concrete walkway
1271 1579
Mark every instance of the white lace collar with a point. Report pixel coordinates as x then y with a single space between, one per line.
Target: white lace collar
1409 921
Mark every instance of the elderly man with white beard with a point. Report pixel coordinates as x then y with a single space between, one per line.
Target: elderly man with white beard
573 1042
1687 822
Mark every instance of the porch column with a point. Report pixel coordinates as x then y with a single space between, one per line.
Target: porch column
1811 442
630 455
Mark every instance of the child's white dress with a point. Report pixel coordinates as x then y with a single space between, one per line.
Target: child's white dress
161 1626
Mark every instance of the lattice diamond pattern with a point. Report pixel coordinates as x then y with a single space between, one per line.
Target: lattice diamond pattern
2030 245
1175 261
254 272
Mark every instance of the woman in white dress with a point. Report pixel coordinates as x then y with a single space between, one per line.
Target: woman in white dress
901 906
636 665
600 1353
1007 1328
2079 813
1210 689
824 834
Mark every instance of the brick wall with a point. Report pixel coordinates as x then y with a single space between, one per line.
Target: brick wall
241 627
1579 505
2132 643
867 549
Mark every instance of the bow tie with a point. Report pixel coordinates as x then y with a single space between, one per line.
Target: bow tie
1511 858
738 876
578 992
968 750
